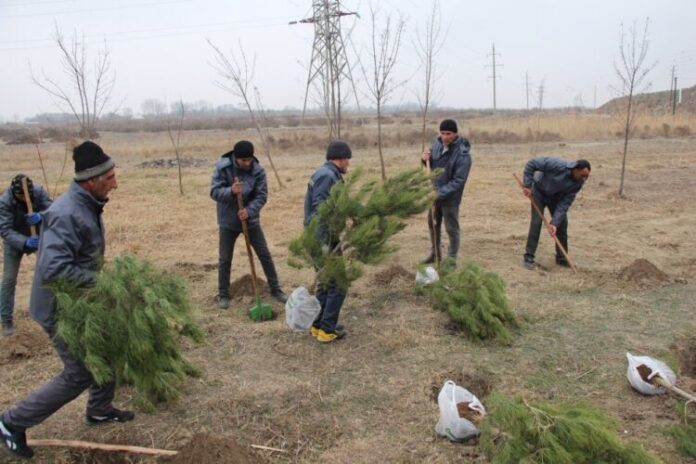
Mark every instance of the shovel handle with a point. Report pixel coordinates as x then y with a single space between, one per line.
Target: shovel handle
547 224
27 200
245 230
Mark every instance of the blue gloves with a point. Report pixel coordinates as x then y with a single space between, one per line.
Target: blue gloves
33 218
32 243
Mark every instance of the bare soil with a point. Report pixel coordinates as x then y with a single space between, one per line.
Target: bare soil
643 272
206 448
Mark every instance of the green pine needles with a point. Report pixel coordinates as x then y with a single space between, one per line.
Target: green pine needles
685 438
359 218
475 301
125 327
516 431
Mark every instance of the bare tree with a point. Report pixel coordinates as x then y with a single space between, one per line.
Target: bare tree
632 69
176 140
153 107
427 47
384 50
240 75
90 86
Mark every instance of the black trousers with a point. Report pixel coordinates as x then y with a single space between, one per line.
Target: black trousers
228 237
535 230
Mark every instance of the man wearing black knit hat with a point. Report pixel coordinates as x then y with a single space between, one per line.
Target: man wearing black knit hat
20 234
72 247
448 152
240 171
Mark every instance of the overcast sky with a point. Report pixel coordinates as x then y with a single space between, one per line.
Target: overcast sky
159 49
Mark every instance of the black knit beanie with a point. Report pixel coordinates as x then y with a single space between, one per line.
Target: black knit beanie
243 149
90 161
16 185
338 149
449 125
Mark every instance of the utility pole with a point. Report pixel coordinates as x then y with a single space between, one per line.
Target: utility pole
671 87
526 86
674 101
495 76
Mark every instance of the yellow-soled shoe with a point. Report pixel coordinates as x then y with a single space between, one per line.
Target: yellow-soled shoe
327 337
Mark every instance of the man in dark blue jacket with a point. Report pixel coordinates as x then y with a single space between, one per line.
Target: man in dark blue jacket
338 154
552 183
448 152
240 171
15 229
71 246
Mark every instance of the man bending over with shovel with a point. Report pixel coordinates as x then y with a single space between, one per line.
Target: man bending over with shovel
240 171
552 183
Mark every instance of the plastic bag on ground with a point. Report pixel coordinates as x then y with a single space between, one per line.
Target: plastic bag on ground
427 276
450 424
655 366
301 309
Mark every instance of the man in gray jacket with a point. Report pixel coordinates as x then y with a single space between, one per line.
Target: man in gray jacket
448 152
72 246
240 171
552 183
15 229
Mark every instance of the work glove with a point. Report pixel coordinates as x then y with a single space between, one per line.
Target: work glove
33 218
32 243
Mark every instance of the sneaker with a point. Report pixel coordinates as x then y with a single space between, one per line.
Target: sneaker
279 295
15 442
430 259
223 302
314 331
528 264
115 415
7 329
327 337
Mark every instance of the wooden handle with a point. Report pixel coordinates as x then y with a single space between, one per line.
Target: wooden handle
27 200
102 447
240 204
691 398
547 224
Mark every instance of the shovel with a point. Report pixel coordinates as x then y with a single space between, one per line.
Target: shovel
258 312
27 200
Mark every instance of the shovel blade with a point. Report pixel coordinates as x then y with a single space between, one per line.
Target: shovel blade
260 312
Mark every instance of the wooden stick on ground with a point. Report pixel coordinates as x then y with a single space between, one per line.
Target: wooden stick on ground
102 447
674 389
547 224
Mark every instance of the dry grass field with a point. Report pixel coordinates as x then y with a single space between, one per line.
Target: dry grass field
371 396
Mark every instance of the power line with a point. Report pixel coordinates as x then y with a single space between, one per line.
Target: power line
45 2
93 10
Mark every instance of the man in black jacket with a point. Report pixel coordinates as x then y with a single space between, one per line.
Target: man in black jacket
552 183
240 171
15 229
448 152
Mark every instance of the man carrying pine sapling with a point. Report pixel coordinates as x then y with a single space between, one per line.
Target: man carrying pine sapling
16 230
552 183
72 246
240 171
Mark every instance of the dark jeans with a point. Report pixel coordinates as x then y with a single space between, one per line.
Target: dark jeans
535 230
331 299
228 237
11 259
65 387
451 216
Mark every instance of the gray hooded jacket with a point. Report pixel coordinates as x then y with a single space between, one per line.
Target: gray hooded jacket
14 228
72 245
552 184
254 192
456 163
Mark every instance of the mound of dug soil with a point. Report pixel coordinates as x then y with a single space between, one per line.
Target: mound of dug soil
172 163
208 449
244 286
392 274
23 345
642 271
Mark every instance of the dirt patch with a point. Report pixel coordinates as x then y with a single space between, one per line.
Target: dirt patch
686 351
478 383
210 449
244 286
392 274
23 345
643 272
172 163
195 267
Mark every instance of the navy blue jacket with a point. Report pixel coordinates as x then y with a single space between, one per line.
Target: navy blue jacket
456 163
318 190
552 184
14 228
254 192
72 245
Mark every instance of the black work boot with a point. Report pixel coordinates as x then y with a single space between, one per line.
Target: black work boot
15 441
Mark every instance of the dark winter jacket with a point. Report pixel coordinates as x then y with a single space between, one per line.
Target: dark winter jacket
14 227
72 246
318 190
254 192
552 184
456 163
